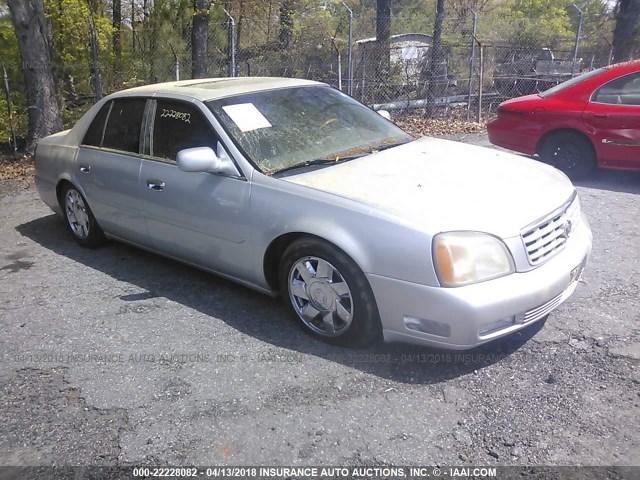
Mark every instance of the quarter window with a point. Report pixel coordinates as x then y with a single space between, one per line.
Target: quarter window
124 125
621 91
94 133
178 126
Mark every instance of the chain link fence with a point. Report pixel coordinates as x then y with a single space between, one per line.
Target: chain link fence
479 60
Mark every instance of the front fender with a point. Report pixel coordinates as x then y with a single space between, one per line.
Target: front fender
378 243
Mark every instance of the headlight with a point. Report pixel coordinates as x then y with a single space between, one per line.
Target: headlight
462 258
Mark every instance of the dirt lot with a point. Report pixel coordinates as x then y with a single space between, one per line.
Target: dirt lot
116 356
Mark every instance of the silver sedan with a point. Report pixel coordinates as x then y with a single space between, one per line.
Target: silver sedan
292 187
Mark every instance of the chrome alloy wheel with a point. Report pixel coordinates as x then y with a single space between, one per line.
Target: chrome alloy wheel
77 214
320 296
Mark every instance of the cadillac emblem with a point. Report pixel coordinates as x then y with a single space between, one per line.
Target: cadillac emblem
566 228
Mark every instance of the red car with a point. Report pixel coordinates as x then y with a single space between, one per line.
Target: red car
588 121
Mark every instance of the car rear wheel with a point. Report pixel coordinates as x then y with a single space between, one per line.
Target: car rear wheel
328 294
569 152
80 219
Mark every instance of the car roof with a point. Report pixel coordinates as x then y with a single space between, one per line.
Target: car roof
212 88
630 66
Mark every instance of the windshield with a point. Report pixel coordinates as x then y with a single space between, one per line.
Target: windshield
572 81
278 129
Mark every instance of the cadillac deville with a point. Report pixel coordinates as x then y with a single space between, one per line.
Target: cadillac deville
291 187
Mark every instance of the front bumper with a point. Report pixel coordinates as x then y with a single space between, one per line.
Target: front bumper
464 317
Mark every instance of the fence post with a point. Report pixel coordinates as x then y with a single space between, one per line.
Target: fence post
610 57
472 60
363 63
232 44
339 58
7 92
176 63
350 52
339 71
577 42
480 75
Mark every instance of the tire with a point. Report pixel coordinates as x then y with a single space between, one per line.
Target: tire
79 218
570 152
328 294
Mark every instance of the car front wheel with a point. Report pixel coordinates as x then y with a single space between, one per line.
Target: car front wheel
328 293
80 219
569 152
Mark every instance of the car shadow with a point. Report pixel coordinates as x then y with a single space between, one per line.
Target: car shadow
622 181
260 316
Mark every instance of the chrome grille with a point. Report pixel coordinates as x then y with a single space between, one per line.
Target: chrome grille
547 237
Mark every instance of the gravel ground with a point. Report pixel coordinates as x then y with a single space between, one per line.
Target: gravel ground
116 356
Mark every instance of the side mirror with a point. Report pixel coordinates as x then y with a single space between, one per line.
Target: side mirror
204 159
199 159
384 114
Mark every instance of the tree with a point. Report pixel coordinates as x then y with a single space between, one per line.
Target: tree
117 43
199 39
285 34
626 30
383 38
286 23
437 56
80 33
32 32
539 23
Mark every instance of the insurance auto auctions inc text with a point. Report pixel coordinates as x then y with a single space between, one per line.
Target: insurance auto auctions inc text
353 472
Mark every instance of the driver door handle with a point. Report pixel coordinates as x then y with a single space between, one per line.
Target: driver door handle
157 185
600 115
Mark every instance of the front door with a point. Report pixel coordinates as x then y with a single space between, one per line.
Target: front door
195 216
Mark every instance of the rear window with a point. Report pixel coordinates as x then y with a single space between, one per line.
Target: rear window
93 136
624 90
573 81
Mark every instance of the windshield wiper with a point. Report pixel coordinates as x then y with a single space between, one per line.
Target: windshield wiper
386 146
337 158
306 163
319 161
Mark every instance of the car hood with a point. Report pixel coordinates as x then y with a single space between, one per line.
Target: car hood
439 185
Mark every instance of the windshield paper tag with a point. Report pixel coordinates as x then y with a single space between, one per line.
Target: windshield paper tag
246 116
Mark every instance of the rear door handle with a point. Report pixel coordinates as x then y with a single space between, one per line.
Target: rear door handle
85 169
157 185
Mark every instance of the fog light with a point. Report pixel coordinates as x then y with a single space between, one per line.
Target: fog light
427 326
496 326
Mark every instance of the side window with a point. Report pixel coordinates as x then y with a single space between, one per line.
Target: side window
621 91
124 125
177 126
94 133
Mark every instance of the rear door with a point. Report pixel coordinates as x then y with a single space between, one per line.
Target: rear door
109 166
199 217
612 118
